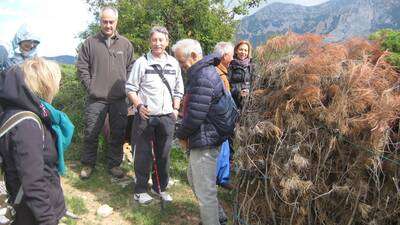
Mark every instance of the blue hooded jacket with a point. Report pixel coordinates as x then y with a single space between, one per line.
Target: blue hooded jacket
3 55
204 86
17 57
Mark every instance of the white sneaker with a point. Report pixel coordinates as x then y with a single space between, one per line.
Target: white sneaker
164 195
142 198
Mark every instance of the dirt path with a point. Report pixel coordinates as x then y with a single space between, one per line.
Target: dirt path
92 203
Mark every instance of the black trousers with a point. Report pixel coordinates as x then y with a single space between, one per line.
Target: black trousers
95 113
24 216
158 132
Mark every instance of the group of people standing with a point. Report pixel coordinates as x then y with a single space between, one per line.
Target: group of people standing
154 87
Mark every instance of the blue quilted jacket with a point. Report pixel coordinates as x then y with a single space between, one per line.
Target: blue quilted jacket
203 88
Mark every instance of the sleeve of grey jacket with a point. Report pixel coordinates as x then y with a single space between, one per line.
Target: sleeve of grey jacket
30 168
199 102
179 86
132 83
83 65
130 60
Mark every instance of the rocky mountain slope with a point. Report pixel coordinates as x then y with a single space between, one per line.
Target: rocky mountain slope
338 19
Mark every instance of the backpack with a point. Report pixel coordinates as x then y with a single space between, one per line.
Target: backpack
224 114
11 122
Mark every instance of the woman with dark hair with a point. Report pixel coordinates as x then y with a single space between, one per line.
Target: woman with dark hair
33 139
240 72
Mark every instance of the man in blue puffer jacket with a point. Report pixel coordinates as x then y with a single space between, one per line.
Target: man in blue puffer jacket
197 134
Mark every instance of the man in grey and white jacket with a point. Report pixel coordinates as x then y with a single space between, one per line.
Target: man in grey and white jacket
157 106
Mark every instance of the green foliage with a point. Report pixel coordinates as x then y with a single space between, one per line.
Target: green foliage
389 40
71 100
76 205
207 21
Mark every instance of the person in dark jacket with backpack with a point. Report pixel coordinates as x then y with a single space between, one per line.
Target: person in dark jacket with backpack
198 134
240 72
29 149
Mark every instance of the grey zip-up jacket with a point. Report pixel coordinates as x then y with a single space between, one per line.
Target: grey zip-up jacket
103 70
146 82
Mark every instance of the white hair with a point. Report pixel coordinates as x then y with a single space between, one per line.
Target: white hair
105 8
223 48
188 46
159 29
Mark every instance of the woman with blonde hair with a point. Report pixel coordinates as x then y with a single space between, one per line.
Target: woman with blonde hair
33 139
240 72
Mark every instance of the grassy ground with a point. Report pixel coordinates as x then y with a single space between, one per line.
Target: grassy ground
83 198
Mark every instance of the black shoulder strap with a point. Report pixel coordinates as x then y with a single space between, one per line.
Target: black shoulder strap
8 125
160 73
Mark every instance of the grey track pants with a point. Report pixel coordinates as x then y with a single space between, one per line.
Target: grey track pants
202 179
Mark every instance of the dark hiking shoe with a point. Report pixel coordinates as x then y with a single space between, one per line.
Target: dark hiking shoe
86 172
228 186
117 172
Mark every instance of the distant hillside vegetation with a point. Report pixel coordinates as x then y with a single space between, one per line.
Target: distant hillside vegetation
63 59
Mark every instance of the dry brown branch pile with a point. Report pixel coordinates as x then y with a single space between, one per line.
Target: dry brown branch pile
317 138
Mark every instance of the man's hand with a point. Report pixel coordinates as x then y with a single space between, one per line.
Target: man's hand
144 112
175 113
184 144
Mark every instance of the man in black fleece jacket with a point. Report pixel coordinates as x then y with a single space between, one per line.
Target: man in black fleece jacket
104 62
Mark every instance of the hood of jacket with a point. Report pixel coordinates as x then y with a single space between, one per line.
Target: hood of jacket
208 60
24 33
15 94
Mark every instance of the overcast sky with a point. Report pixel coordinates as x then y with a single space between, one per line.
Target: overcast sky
58 22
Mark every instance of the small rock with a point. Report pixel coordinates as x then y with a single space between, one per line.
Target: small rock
71 215
104 210
172 182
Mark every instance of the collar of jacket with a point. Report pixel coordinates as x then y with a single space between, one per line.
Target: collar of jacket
222 70
209 60
116 36
152 61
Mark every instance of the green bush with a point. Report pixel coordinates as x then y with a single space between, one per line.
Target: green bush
389 40
71 100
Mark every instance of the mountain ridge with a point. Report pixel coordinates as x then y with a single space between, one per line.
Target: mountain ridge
338 19
63 59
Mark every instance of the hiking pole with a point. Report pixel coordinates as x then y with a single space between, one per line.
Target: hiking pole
156 175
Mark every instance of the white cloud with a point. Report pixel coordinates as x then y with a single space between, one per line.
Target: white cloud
9 12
